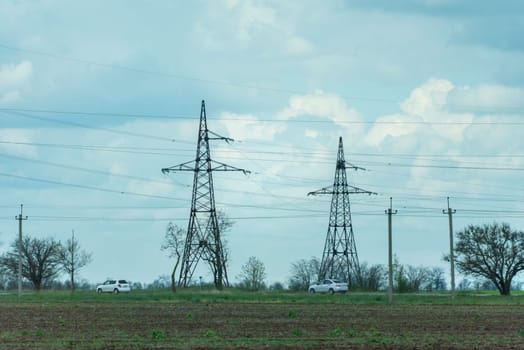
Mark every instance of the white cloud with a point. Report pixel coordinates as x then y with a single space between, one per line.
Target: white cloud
297 46
12 75
427 98
271 29
17 136
246 126
10 97
426 108
390 125
321 105
250 16
311 133
484 98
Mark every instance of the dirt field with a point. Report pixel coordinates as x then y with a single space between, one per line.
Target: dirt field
134 324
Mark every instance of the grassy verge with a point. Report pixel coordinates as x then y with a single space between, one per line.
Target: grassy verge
234 296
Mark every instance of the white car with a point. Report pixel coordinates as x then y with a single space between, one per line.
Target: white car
329 285
114 286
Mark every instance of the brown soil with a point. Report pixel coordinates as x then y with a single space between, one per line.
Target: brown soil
124 325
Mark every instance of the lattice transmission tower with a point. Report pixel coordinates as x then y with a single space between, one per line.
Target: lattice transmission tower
340 257
203 240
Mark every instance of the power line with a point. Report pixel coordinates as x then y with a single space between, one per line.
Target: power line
174 117
91 171
86 187
460 167
325 154
150 72
80 125
400 194
377 213
116 149
242 85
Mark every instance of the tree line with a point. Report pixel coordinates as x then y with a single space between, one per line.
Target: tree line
491 254
43 259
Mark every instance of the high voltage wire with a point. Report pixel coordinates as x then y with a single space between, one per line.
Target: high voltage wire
459 167
175 117
87 187
116 219
120 175
116 149
91 171
402 194
242 85
388 164
303 181
150 72
404 209
326 154
136 150
100 189
80 125
480 214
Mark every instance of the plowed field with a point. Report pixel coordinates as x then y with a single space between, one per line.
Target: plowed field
124 324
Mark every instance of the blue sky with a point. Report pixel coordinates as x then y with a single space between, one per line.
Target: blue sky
427 94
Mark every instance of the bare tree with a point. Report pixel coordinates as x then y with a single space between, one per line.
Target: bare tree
40 260
225 224
417 277
303 273
253 274
494 252
409 278
371 278
174 245
435 279
72 258
220 258
161 282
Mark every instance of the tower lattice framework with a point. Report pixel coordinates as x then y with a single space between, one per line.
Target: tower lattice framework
340 257
203 240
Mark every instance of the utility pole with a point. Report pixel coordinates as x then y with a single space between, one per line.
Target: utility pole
390 213
73 249
340 257
450 213
20 218
203 239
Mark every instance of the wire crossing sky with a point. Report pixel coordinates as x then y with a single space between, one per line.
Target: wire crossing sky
428 97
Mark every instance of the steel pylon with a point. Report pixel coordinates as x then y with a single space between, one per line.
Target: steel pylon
203 240
340 257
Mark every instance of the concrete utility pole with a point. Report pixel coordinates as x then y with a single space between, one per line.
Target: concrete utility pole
20 218
73 248
450 213
390 212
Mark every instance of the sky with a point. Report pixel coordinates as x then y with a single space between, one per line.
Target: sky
96 97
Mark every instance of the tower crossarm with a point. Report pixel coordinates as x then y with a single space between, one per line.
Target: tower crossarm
325 190
354 189
218 137
218 166
330 190
187 166
215 166
352 166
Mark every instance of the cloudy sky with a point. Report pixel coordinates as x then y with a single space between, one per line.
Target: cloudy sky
96 97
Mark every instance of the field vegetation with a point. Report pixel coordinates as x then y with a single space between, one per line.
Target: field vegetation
195 319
